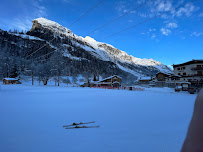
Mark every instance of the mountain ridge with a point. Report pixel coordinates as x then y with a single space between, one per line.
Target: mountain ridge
104 51
49 46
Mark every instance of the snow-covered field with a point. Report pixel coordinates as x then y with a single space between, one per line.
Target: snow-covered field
31 119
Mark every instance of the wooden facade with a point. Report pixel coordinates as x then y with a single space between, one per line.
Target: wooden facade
10 81
113 81
160 76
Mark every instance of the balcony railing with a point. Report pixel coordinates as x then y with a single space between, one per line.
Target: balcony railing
197 68
192 75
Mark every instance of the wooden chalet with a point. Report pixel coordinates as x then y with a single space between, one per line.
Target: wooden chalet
161 78
113 81
144 80
10 81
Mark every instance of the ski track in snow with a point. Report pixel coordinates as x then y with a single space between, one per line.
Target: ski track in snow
154 120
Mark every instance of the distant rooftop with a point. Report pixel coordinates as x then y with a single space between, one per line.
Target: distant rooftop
187 63
14 79
110 77
166 73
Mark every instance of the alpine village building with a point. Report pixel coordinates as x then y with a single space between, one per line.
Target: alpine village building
112 81
186 74
191 71
10 81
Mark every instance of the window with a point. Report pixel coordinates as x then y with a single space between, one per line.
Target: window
178 73
198 66
178 68
183 68
199 73
184 73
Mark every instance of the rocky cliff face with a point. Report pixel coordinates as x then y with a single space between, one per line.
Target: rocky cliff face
81 54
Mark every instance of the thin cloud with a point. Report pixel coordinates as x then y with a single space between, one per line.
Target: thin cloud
172 25
196 34
151 30
188 10
24 22
165 31
160 6
121 7
201 15
153 36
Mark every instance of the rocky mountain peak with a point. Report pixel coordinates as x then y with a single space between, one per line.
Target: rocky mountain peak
100 50
103 51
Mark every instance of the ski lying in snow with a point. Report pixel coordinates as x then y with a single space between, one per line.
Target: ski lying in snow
81 123
78 127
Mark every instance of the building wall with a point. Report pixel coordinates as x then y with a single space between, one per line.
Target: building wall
144 81
9 81
114 79
187 70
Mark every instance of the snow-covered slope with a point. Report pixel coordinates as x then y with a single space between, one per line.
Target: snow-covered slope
122 56
53 26
101 50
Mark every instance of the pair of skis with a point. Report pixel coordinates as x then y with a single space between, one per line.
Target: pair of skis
78 125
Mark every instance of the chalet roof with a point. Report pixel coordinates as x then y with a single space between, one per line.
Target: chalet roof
110 78
165 73
14 79
175 76
188 63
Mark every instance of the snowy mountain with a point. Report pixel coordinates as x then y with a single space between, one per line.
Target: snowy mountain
82 54
101 50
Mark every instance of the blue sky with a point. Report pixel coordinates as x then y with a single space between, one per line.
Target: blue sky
171 39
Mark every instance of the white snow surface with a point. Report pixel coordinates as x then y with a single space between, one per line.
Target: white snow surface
124 57
55 27
102 50
145 78
24 36
154 120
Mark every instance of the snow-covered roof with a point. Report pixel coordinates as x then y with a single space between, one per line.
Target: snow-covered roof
166 73
175 76
110 77
189 62
14 79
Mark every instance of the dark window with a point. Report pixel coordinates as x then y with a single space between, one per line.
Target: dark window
199 73
178 73
178 68
184 73
183 68
199 66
